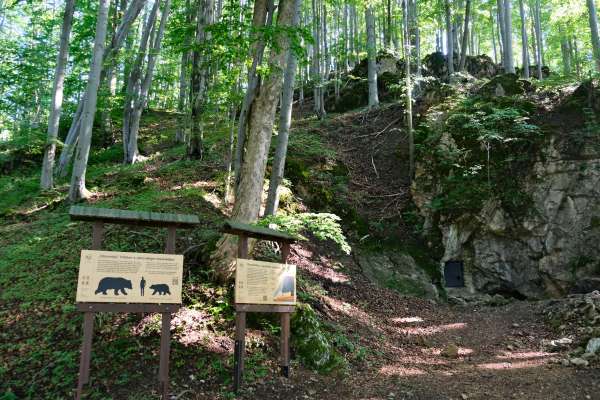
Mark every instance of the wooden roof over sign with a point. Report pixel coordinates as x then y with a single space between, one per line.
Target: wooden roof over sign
146 218
257 232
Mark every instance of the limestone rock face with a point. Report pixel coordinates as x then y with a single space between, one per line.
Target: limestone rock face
553 250
397 271
551 247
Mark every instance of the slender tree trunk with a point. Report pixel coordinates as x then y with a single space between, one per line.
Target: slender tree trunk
409 122
180 134
494 47
508 47
502 32
134 83
465 36
576 55
593 18
46 180
565 51
285 119
372 58
524 40
263 14
539 41
260 125
200 76
417 38
77 190
140 100
449 37
116 43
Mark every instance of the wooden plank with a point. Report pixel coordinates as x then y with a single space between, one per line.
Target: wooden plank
128 307
242 246
143 218
97 234
165 348
257 232
285 345
239 350
171 236
86 353
274 308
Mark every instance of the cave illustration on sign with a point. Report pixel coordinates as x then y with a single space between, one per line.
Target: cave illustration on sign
162 289
286 288
113 283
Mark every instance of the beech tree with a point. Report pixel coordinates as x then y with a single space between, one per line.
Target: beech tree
593 18
47 177
372 57
77 190
260 124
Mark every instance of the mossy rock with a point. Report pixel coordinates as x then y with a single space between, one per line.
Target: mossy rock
355 94
503 85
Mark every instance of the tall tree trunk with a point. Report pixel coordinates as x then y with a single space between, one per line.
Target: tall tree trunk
46 180
449 36
388 24
417 35
263 15
77 190
180 133
508 41
260 125
372 58
134 83
494 47
285 119
565 51
524 40
116 43
593 18
502 32
538 37
140 99
200 76
409 122
465 36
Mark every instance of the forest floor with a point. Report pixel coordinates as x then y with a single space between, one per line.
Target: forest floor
395 346
416 349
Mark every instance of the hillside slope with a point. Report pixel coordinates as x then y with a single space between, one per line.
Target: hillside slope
379 343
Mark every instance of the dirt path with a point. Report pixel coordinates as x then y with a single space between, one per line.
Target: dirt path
500 351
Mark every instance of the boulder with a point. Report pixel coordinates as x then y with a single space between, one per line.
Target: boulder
593 346
397 271
481 66
503 85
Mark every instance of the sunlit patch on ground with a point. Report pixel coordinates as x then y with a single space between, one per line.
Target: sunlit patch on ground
435 351
407 320
190 328
431 330
321 271
515 365
399 370
507 355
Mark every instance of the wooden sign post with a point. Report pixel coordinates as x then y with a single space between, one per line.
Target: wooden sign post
245 231
99 217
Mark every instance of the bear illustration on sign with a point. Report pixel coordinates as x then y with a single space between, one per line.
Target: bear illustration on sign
112 283
162 289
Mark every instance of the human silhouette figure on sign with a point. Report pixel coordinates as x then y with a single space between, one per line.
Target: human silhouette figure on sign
142 285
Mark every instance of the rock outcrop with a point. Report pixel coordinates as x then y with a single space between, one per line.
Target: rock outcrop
397 271
552 246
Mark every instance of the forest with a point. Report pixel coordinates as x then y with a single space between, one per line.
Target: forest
430 170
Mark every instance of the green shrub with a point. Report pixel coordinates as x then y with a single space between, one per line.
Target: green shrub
323 226
481 150
312 343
